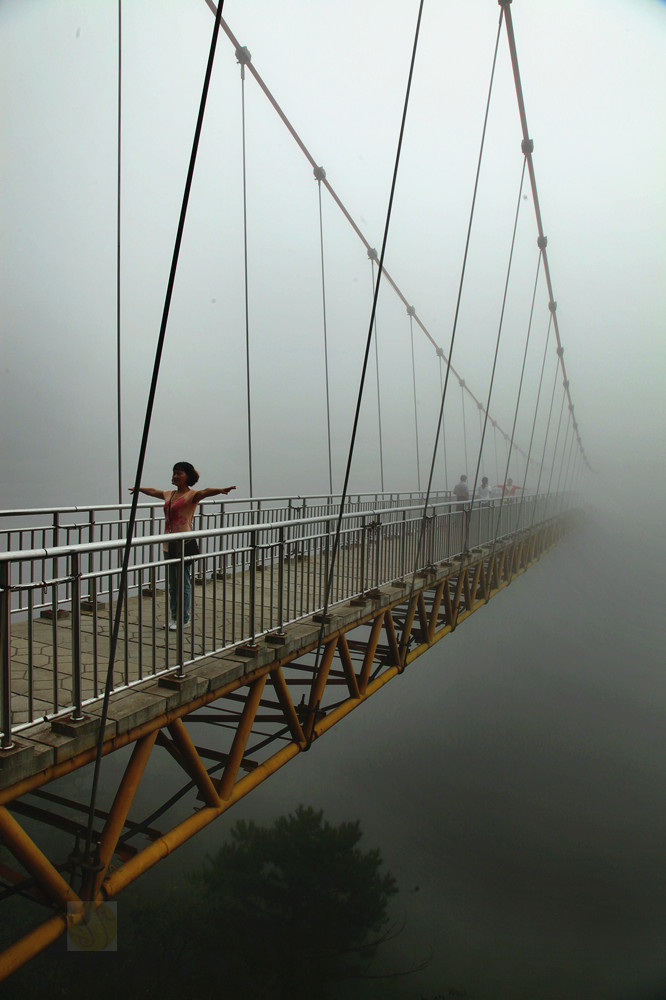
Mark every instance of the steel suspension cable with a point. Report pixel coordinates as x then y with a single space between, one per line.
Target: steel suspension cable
496 457
243 57
545 440
536 411
515 416
564 455
122 585
557 440
411 313
118 188
464 422
506 6
441 390
372 254
386 276
380 271
497 346
320 174
566 472
449 367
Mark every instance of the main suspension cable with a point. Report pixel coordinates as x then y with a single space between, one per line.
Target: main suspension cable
122 585
506 6
386 276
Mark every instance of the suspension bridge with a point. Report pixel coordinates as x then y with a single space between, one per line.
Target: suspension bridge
303 607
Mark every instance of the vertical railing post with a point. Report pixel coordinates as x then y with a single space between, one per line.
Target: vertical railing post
153 571
378 534
75 575
253 582
361 589
5 659
180 628
281 551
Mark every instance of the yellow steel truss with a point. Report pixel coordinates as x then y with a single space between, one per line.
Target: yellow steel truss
355 660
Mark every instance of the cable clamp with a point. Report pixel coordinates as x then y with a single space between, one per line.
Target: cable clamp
527 146
243 55
319 174
411 311
542 242
372 253
552 306
560 352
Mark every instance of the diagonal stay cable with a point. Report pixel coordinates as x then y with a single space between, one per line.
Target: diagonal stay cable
338 529
449 366
122 586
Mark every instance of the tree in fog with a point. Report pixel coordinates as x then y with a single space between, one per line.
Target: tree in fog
294 905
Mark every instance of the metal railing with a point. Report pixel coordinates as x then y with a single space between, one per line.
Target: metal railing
57 604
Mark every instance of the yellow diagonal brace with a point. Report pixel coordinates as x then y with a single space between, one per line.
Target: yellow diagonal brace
241 737
119 810
319 685
389 626
435 609
193 762
348 666
26 851
370 652
287 705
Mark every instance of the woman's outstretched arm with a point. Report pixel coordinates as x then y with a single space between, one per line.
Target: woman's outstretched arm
212 491
149 491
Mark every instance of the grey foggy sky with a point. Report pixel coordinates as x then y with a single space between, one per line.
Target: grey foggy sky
593 76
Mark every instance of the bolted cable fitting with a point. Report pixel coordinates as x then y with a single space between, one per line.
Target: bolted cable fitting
461 383
552 306
542 242
560 352
319 174
566 383
411 311
439 352
372 253
527 146
243 55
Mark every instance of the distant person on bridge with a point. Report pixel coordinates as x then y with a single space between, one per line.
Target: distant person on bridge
461 491
483 492
179 508
509 488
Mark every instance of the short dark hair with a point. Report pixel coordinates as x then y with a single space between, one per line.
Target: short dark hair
189 470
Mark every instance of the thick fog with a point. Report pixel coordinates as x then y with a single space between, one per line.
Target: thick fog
514 776
589 75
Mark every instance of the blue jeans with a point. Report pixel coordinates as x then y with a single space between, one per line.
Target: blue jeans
174 572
